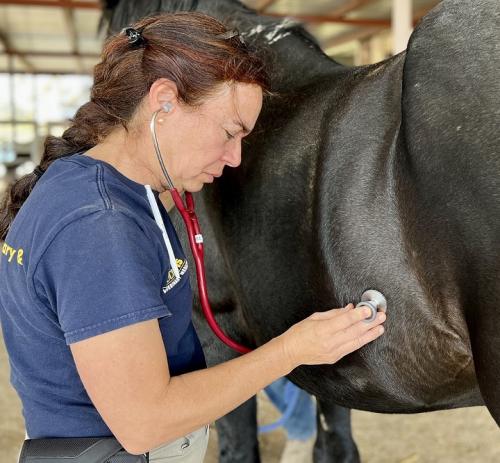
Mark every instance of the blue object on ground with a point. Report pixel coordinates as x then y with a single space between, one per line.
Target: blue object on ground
297 407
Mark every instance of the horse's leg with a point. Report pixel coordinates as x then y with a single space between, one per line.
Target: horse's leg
236 431
334 443
485 341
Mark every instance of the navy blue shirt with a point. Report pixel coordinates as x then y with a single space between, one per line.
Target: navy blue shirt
84 256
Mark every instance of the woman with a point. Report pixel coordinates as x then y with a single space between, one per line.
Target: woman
95 300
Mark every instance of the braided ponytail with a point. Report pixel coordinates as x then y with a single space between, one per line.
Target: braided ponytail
88 126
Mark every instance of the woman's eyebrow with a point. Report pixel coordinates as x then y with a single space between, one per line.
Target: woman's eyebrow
244 128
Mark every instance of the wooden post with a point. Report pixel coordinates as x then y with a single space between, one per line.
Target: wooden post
402 24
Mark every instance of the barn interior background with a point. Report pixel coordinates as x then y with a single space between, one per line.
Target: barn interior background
47 52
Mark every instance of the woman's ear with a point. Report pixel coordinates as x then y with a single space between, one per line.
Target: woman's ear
163 95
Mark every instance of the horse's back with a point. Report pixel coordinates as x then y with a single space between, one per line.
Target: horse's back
451 89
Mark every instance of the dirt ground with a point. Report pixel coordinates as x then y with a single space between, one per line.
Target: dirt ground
456 436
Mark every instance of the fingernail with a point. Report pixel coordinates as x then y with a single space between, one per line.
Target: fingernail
382 316
380 329
367 312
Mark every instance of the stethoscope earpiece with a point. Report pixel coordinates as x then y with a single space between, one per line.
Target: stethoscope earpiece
167 107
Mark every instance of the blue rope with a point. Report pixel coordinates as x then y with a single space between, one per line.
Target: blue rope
292 394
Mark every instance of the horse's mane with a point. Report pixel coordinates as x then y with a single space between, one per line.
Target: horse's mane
119 13
257 30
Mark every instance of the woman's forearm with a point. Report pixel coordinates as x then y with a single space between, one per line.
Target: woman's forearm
194 399
144 407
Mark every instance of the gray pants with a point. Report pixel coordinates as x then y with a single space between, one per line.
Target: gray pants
188 449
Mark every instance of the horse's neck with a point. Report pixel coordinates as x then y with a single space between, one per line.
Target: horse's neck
291 55
296 61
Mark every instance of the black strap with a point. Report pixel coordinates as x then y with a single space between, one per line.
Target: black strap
77 450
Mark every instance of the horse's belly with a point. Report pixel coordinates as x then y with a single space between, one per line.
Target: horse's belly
429 368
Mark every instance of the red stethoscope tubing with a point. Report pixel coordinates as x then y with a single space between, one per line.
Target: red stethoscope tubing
193 228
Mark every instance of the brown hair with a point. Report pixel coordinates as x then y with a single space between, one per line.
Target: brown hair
191 49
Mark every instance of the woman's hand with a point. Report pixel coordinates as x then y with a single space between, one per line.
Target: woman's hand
326 337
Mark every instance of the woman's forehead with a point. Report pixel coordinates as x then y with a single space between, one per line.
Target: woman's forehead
238 102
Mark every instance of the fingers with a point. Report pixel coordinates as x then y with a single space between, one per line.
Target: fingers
360 333
351 317
362 327
326 337
359 341
327 314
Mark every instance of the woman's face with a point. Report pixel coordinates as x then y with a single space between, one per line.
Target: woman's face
198 142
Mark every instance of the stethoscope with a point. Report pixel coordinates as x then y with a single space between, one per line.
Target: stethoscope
195 243
372 299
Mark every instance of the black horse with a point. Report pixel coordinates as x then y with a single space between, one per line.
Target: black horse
384 176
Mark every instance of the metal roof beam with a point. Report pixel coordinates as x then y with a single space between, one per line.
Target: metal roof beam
48 54
360 34
69 19
9 50
315 19
85 4
337 16
421 12
339 12
357 34
350 6
47 71
266 5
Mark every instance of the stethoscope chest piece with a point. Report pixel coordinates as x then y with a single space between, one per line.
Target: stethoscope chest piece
374 300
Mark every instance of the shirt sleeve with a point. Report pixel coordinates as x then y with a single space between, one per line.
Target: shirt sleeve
101 272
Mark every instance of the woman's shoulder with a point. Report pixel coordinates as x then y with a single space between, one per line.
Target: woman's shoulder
75 201
77 185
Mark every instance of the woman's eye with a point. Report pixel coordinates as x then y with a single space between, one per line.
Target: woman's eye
229 136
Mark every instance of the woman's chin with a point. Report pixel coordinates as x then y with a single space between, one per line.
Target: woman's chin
194 187
196 184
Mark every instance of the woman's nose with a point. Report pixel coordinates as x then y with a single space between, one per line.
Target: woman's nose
232 156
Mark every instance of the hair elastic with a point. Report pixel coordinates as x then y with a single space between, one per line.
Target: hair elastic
38 171
230 34
135 36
